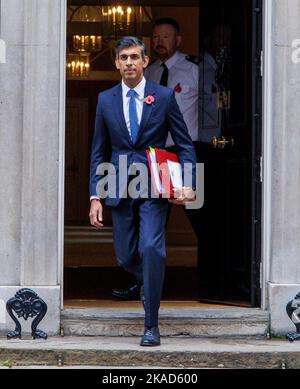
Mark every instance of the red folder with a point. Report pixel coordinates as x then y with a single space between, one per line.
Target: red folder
166 172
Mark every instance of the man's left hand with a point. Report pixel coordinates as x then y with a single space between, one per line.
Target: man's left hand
183 196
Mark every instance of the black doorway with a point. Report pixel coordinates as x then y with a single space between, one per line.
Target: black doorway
228 263
229 241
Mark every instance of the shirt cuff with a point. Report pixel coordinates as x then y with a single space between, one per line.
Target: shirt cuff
94 198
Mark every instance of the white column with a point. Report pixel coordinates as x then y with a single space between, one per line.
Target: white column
11 125
282 161
31 121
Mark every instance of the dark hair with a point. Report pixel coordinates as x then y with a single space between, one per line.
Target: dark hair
129 41
172 22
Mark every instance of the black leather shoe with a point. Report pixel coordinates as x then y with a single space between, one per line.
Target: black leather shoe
151 337
132 293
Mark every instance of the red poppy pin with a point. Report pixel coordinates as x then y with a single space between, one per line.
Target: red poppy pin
149 100
177 88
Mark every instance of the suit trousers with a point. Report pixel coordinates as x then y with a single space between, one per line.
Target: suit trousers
139 242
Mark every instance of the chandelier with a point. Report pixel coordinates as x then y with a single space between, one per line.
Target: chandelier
94 29
87 42
78 64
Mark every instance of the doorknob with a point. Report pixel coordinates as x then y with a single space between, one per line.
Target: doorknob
221 142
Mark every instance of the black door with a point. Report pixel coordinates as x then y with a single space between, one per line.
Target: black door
229 242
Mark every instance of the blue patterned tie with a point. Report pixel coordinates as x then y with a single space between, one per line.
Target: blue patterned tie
134 125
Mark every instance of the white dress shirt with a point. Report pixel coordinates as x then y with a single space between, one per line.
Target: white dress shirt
185 74
197 101
140 91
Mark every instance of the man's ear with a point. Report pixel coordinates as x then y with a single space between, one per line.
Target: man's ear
178 40
117 63
145 61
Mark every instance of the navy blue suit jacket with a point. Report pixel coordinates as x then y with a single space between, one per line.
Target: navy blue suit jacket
111 137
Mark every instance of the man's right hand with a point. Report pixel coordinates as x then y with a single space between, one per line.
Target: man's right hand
96 211
182 196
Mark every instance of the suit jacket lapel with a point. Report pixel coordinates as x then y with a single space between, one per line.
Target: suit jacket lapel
120 113
147 109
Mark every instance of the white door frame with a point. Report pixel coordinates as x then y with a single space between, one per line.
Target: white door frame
266 157
62 114
266 149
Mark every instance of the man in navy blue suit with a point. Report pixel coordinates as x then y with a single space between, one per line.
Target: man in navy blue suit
131 117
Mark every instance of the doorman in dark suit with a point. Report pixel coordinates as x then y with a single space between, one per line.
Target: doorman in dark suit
130 117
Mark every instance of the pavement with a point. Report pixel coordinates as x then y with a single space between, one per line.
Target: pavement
174 352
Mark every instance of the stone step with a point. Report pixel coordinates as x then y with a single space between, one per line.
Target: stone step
173 322
227 353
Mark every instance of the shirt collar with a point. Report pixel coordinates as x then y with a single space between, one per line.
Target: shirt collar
171 61
139 89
